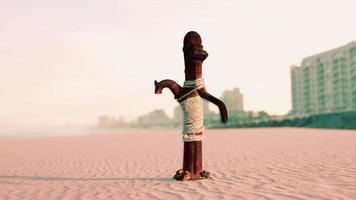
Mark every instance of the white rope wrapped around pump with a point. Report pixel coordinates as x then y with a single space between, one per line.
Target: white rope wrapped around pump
192 107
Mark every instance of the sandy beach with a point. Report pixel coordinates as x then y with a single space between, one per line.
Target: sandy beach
268 163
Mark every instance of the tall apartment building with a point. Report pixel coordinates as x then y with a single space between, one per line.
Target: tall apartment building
233 100
325 82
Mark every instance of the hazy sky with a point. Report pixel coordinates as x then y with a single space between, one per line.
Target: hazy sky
72 61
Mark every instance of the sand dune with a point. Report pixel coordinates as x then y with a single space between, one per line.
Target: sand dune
245 164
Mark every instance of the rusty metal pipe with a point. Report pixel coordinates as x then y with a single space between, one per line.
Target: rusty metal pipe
194 55
172 85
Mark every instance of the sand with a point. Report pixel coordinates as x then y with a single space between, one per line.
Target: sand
280 163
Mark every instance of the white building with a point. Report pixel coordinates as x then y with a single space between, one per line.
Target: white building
325 82
233 100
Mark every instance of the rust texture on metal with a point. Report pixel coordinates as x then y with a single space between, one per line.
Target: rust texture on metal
194 55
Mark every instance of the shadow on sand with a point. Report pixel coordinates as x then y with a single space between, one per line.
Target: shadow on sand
56 178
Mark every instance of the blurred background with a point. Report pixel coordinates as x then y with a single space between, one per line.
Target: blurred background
71 64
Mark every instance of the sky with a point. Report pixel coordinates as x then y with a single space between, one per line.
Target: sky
72 61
